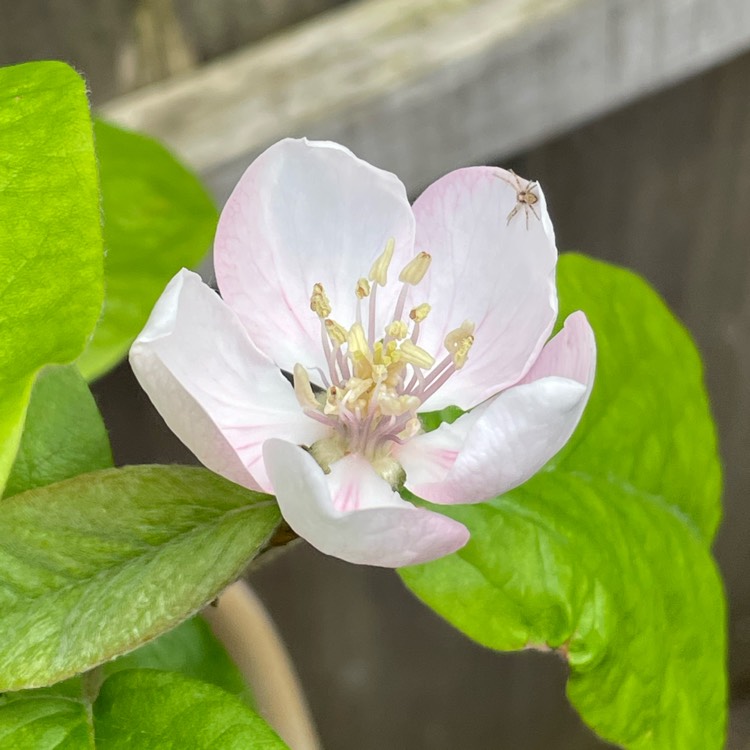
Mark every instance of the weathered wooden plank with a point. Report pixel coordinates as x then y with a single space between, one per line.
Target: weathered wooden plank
422 86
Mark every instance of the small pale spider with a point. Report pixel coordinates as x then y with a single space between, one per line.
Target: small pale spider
526 198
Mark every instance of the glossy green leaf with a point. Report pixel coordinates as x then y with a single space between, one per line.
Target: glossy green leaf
191 649
51 261
157 219
605 554
97 565
63 433
648 422
146 709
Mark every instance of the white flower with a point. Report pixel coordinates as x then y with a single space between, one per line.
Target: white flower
379 311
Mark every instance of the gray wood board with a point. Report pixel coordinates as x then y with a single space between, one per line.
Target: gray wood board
422 86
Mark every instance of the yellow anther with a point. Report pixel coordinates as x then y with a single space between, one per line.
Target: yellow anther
397 329
357 340
336 332
414 271
319 303
415 355
379 270
459 341
394 406
461 354
420 312
385 355
457 335
362 289
303 390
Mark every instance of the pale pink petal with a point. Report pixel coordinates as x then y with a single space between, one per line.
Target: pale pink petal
214 389
504 442
499 274
305 213
353 514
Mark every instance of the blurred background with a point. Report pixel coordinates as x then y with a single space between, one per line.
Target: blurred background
635 117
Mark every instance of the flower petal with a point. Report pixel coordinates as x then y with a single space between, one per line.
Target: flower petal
353 514
503 442
307 212
498 272
214 389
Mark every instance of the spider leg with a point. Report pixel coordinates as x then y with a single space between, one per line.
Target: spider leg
505 179
513 213
533 209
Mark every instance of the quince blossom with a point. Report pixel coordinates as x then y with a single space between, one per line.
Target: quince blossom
376 311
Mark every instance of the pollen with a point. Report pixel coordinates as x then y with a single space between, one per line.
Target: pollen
459 341
319 302
362 289
336 332
397 329
414 271
420 312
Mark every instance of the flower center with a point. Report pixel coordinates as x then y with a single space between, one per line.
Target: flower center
376 381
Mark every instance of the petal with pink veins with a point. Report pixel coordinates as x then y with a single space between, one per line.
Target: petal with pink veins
353 514
308 212
503 442
214 389
495 271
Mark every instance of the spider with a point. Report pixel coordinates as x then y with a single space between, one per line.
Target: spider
526 198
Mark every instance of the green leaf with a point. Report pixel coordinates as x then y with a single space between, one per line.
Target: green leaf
135 708
97 565
157 219
63 434
604 555
44 722
146 709
50 237
648 422
191 649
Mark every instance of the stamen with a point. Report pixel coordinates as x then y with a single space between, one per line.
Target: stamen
379 270
357 341
459 341
414 271
415 355
371 316
303 390
319 302
362 289
459 358
397 329
371 399
336 332
398 313
420 312
395 406
329 353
